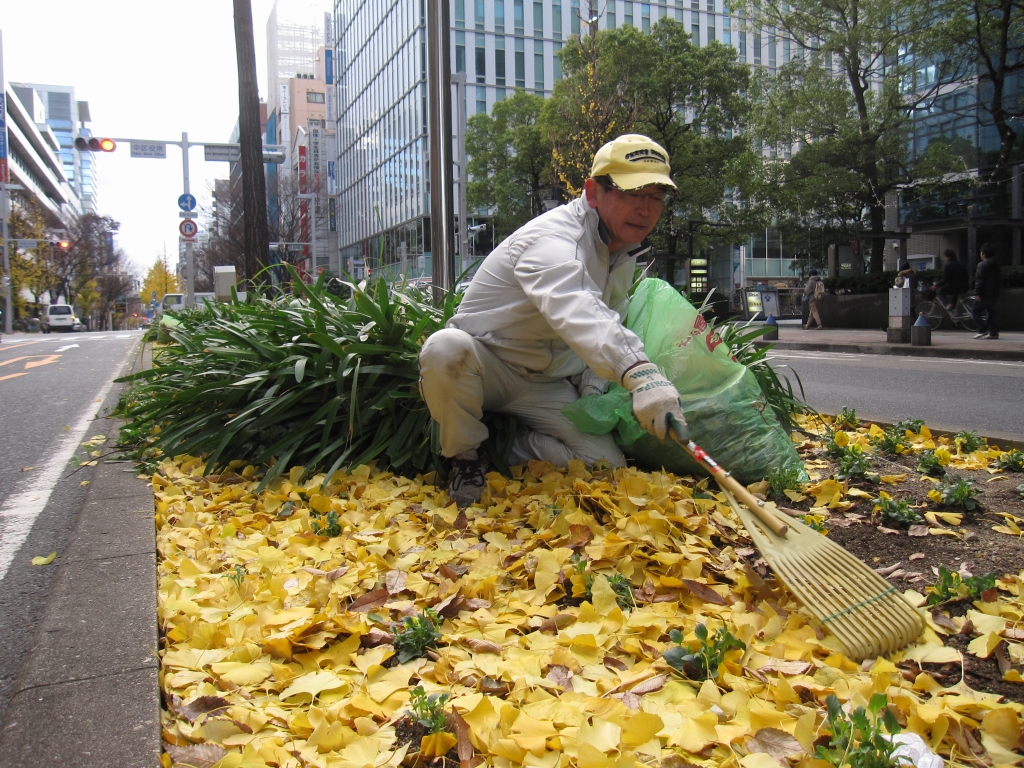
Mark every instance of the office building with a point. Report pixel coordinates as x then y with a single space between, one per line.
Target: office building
35 159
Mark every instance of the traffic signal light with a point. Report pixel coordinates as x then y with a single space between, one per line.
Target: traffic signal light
62 244
93 144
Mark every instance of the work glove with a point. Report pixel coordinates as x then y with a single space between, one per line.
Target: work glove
655 401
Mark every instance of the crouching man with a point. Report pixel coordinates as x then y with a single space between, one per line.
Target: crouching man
541 324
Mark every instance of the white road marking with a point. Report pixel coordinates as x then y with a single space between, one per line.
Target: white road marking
65 349
840 356
124 336
19 512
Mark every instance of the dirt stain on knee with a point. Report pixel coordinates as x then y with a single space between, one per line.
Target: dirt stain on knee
456 367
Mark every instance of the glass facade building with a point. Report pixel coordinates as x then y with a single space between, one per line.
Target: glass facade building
500 45
67 119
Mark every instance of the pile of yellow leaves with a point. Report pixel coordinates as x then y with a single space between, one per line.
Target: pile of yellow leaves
277 641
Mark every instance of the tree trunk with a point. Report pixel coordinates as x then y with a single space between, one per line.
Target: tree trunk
877 263
254 184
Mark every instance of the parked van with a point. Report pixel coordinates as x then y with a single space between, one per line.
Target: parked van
58 317
175 302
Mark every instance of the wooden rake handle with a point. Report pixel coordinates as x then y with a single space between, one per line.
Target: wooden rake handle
729 483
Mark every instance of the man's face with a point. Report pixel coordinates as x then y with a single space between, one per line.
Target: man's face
629 216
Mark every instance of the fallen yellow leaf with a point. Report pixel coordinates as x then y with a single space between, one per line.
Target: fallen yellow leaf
44 560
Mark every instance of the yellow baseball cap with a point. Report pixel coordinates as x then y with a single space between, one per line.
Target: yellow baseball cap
633 161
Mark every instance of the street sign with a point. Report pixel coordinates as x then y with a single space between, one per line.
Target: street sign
188 228
188 214
26 244
154 149
187 202
222 153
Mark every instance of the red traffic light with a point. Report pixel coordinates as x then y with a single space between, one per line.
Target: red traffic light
63 244
94 144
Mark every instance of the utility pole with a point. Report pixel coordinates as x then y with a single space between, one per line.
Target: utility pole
254 184
439 138
190 254
5 198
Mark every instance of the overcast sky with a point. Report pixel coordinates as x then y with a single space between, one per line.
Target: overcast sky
148 70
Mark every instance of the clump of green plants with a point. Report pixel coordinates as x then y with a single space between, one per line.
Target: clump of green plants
1020 490
428 710
955 491
893 442
416 634
893 512
329 526
782 479
853 463
814 522
702 662
236 575
860 739
1011 461
928 463
968 442
910 425
952 586
583 583
846 419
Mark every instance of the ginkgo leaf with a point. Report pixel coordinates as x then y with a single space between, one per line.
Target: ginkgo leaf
41 560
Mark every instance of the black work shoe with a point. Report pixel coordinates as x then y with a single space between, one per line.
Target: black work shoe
467 481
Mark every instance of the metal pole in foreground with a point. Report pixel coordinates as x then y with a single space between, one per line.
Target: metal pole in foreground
439 137
460 134
190 257
5 198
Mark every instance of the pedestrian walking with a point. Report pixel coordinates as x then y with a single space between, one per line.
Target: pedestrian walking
814 292
542 324
986 294
955 280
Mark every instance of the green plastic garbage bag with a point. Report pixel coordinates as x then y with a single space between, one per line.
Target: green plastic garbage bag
727 412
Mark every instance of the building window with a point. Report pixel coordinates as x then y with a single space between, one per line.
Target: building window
460 13
538 19
478 13
727 30
314 98
556 63
499 94
518 12
610 15
481 100
499 15
538 66
695 34
481 60
499 63
757 47
771 50
711 28
679 10
645 17
711 6
627 20
460 51
695 5
520 63
574 11
786 53
556 19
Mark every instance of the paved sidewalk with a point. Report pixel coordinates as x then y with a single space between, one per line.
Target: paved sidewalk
957 344
88 695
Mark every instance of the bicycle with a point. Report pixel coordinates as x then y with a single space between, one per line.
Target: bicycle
936 312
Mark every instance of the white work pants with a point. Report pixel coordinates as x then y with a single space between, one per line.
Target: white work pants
460 378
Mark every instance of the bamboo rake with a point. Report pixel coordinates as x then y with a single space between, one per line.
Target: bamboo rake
861 609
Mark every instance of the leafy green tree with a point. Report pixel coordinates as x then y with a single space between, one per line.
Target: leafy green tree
510 162
845 103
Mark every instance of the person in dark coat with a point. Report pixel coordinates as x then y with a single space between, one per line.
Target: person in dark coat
986 294
955 280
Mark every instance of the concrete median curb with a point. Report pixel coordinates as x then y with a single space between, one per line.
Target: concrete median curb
88 693
959 353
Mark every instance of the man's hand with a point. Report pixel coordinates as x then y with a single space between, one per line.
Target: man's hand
655 400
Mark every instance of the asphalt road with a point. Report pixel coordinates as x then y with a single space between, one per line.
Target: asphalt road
51 388
987 396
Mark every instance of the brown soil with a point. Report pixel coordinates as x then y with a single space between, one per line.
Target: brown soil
409 731
975 547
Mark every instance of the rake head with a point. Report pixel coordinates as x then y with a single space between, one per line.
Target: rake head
860 608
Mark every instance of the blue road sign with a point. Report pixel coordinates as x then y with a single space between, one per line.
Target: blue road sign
187 202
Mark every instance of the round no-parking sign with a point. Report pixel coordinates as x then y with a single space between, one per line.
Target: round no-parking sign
188 228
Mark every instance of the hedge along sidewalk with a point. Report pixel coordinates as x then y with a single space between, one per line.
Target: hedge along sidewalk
88 694
951 344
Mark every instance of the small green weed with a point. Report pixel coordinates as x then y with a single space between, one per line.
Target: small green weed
416 634
428 711
859 740
847 419
928 463
954 491
968 442
892 442
237 576
331 529
782 479
623 591
1020 490
702 663
814 522
1011 461
952 586
912 425
583 583
893 512
853 463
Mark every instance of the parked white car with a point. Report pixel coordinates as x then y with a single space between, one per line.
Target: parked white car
58 317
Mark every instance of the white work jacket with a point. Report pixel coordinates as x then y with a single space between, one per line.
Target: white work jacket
550 300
